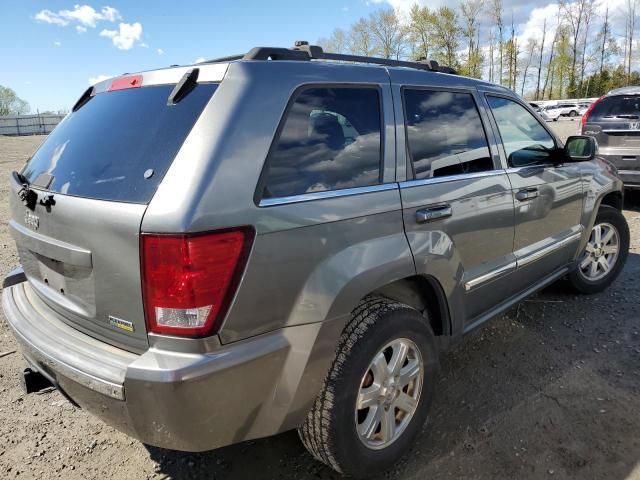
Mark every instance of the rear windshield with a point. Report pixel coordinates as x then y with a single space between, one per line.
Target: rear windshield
119 145
611 107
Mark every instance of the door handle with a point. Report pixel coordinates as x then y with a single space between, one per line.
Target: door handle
433 213
527 194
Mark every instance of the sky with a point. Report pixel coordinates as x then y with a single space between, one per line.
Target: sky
51 51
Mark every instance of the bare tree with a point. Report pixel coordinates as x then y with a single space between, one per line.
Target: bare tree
491 55
550 64
361 40
631 18
532 47
338 42
544 35
470 11
574 12
495 12
388 33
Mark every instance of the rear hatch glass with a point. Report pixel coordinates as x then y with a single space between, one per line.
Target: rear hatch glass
119 145
615 107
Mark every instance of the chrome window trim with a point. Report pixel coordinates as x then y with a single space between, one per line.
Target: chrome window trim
533 166
471 284
308 197
450 178
538 254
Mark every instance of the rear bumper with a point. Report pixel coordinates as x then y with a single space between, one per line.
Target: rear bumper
181 401
630 178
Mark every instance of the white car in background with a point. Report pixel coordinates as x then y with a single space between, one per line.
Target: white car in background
550 113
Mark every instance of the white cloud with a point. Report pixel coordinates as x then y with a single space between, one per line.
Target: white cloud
160 51
81 29
47 16
57 44
345 9
126 36
84 15
199 60
98 79
143 45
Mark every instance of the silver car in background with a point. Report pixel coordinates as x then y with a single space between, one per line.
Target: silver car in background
287 239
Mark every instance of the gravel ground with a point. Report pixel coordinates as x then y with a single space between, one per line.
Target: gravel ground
549 390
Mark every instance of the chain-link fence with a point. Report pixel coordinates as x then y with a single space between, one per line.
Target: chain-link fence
41 124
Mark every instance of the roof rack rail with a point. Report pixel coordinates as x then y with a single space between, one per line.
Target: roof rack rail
302 51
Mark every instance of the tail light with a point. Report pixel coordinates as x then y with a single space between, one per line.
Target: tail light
585 115
188 280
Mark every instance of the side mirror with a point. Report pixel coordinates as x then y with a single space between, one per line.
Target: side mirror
580 148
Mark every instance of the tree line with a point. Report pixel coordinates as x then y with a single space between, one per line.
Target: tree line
578 53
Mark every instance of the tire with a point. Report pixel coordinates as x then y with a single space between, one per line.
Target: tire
573 113
329 432
582 278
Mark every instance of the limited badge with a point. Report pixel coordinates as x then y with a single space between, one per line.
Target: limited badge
121 324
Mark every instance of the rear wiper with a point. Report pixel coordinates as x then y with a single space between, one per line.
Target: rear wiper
26 195
187 83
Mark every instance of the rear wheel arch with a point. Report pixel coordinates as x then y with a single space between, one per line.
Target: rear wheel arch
422 293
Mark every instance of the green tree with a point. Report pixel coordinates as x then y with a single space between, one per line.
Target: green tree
470 12
420 32
447 41
11 104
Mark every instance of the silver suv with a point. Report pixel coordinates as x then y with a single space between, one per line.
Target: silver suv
288 239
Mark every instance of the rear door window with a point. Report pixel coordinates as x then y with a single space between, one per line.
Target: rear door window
445 135
330 139
119 145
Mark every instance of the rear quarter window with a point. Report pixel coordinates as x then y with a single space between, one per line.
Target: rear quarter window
330 139
119 145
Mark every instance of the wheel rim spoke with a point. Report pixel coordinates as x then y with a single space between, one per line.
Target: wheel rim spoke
593 270
604 264
371 422
586 261
405 402
379 368
388 425
368 397
398 358
608 235
610 249
597 234
409 372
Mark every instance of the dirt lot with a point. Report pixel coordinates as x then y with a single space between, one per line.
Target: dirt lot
550 390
